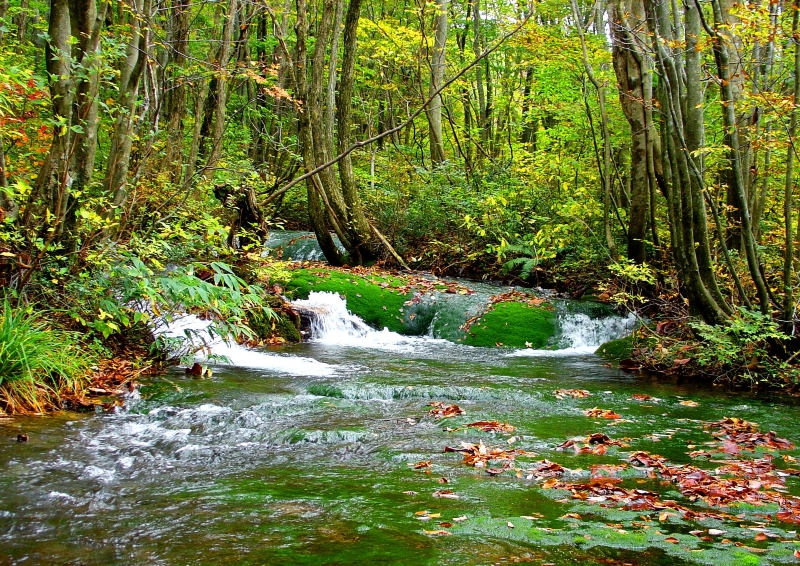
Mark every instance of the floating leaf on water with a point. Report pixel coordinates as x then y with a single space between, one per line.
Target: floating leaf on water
410 493
673 540
445 494
421 465
446 524
443 480
601 413
444 410
690 403
459 519
574 393
643 397
510 525
492 426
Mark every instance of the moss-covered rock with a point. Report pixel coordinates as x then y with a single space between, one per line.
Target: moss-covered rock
285 325
619 349
513 325
375 299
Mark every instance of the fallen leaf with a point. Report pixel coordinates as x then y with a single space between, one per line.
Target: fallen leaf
445 494
460 519
601 413
445 524
673 540
510 525
443 410
492 426
690 403
437 533
574 393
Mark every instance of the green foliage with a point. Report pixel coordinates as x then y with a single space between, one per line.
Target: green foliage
38 364
741 344
130 294
513 325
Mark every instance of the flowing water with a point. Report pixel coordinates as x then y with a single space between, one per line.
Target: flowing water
311 455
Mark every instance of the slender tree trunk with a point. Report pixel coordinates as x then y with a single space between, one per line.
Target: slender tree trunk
605 173
434 111
733 142
221 98
130 73
632 73
788 189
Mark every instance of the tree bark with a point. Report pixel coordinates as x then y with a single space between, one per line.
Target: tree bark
434 111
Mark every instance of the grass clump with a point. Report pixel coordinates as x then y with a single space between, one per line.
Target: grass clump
38 365
513 325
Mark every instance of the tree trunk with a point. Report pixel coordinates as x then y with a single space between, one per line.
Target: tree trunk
130 73
434 111
632 71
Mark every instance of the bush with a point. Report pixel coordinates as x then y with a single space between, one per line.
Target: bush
38 365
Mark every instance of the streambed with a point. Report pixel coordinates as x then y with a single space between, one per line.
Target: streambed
312 454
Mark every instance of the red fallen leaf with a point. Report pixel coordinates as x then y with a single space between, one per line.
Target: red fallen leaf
730 447
420 465
761 537
797 553
600 450
479 455
601 413
787 517
446 524
443 410
546 468
574 393
437 533
733 424
443 480
492 426
641 397
673 540
681 361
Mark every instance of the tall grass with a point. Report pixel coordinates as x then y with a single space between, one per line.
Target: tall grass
37 364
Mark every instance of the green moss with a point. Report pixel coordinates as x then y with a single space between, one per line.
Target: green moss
514 325
377 305
619 349
282 326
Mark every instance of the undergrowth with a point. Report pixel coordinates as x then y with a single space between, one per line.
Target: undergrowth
38 364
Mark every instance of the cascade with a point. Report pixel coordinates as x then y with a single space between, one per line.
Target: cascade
329 322
211 347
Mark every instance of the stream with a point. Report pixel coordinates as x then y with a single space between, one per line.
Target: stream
324 453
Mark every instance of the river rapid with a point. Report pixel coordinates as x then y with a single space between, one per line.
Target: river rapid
325 453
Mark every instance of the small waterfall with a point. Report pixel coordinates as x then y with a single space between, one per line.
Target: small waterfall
580 334
579 331
211 347
329 322
329 319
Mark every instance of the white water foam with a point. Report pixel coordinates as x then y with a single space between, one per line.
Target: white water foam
582 335
240 356
334 325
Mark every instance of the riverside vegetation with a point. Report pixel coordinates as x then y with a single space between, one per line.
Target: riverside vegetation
632 151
